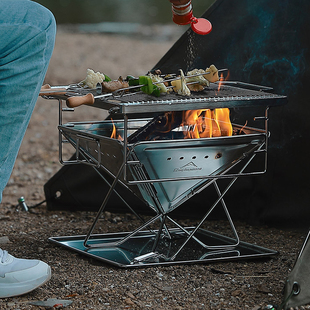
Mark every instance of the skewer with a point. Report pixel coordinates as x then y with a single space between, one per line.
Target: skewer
169 80
89 99
237 83
48 90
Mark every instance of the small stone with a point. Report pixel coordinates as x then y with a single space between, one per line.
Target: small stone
236 293
11 304
117 219
263 289
4 240
128 301
107 214
130 295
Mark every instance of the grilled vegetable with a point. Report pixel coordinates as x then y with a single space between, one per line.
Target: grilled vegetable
213 76
157 79
112 86
200 79
132 81
148 88
93 78
180 86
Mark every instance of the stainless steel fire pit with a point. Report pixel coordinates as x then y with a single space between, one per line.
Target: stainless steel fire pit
193 162
165 172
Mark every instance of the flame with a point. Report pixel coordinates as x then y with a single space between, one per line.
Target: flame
197 124
190 119
222 118
207 123
220 82
221 79
114 133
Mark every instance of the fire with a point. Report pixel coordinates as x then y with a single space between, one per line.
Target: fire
195 124
221 79
207 123
221 116
114 134
220 82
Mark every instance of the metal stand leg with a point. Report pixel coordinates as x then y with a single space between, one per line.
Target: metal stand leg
191 235
104 203
129 235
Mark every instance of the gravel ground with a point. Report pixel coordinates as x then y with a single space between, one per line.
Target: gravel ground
90 284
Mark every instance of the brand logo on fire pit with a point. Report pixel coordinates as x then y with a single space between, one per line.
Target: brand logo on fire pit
188 167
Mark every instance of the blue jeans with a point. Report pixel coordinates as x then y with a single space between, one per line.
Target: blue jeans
27 35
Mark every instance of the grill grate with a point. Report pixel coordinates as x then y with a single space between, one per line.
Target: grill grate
210 98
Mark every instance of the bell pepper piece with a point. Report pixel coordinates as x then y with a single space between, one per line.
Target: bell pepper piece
148 88
156 92
132 81
148 85
107 79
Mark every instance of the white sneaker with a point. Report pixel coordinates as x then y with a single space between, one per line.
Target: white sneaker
20 276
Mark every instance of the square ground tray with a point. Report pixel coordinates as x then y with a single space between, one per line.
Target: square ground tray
137 251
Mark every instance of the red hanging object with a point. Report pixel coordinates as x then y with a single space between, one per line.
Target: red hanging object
183 15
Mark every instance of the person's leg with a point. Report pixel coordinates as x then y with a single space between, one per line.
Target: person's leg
27 32
27 35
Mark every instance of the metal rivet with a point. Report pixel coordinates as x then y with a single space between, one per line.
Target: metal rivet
296 288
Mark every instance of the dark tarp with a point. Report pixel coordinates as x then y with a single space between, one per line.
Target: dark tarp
264 42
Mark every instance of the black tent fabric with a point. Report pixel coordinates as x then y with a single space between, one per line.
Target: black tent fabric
79 187
262 42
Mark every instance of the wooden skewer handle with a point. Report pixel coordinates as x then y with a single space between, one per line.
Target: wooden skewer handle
46 86
47 90
76 101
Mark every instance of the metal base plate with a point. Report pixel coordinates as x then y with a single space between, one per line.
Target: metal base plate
137 251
